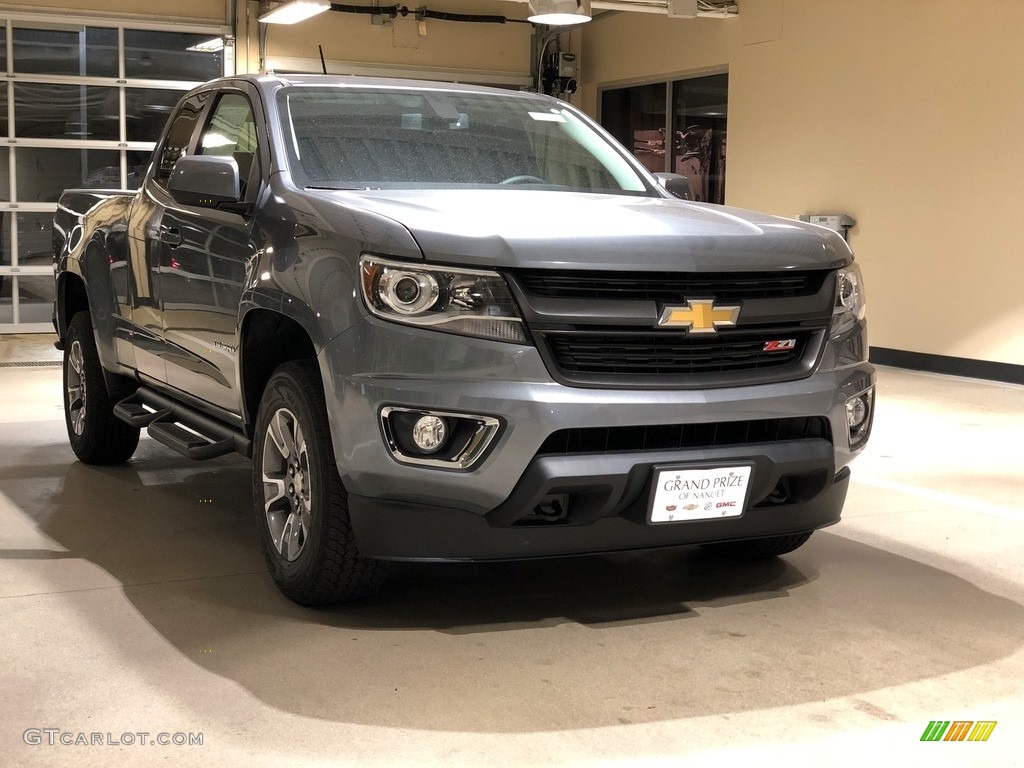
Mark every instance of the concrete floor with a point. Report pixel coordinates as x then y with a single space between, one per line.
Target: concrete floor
133 599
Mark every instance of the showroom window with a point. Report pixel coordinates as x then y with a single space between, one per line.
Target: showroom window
82 105
693 112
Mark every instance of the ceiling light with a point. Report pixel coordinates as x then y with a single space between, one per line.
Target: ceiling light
557 13
294 11
212 45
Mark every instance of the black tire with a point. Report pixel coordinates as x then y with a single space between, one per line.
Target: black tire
758 549
97 436
305 532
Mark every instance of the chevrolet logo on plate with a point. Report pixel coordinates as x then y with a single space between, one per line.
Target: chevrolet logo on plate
699 316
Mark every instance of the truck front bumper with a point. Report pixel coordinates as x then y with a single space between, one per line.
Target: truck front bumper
405 512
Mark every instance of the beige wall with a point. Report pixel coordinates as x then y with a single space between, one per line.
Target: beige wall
447 45
907 115
193 10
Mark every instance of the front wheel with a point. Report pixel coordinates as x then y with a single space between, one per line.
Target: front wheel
301 503
97 436
758 549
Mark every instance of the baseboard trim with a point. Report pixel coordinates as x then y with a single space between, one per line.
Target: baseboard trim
952 366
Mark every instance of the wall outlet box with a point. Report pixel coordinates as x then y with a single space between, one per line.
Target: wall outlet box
837 222
682 9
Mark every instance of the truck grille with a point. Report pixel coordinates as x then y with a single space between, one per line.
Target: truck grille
600 328
667 353
672 437
670 286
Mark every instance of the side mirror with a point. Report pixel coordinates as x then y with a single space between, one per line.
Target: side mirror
675 184
205 180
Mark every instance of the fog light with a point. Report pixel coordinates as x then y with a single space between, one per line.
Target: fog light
437 439
429 433
859 417
857 411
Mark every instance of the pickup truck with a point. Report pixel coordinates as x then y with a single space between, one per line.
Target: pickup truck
458 323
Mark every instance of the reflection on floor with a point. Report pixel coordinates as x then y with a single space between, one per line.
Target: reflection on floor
133 599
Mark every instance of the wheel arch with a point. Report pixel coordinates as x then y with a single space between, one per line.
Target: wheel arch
72 297
267 340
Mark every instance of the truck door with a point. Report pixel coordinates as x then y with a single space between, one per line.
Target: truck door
208 251
144 235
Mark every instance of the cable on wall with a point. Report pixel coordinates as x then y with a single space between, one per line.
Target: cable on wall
393 11
712 6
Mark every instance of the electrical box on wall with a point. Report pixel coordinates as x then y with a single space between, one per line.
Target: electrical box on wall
837 222
559 77
683 9
567 65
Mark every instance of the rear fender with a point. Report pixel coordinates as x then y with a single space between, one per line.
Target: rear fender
90 246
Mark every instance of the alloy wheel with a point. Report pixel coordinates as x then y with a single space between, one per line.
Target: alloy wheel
287 491
76 387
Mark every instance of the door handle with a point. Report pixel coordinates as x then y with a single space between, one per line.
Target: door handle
171 236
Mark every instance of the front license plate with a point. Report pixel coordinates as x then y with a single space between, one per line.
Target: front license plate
699 494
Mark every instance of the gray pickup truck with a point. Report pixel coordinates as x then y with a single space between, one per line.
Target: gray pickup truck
457 323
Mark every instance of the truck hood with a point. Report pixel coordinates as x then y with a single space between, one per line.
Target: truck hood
535 228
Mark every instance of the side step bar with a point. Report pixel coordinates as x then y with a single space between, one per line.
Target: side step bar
180 427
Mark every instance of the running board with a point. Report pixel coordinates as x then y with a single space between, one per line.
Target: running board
180 427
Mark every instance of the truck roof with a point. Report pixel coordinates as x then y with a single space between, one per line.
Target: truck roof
269 83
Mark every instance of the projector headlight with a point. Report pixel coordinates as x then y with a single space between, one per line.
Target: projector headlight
850 299
467 301
408 293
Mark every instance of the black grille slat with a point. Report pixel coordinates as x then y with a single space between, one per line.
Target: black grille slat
670 286
646 354
669 437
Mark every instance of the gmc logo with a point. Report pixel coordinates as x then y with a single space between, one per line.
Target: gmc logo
780 345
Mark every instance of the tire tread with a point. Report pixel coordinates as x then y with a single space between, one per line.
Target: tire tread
339 573
105 439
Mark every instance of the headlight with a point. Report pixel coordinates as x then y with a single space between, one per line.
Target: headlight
850 299
467 301
408 293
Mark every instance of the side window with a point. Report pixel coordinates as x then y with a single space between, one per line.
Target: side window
179 135
231 132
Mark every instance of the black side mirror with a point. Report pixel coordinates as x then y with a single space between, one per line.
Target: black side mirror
205 180
675 184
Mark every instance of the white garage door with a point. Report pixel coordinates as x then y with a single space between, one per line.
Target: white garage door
82 105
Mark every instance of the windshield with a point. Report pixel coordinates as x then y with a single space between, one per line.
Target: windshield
350 138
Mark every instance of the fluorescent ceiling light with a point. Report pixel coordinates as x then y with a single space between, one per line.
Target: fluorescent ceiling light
212 45
294 11
558 13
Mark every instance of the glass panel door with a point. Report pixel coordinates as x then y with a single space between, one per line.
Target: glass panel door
81 105
636 117
699 111
696 122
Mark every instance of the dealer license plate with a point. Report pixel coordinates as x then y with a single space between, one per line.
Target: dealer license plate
699 494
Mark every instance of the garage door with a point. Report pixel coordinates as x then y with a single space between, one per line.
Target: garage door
82 105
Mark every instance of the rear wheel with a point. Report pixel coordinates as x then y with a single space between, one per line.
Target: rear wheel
301 503
758 549
96 435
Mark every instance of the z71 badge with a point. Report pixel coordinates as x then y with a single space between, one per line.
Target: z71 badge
780 345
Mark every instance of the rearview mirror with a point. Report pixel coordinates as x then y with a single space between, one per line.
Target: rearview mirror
205 180
675 184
